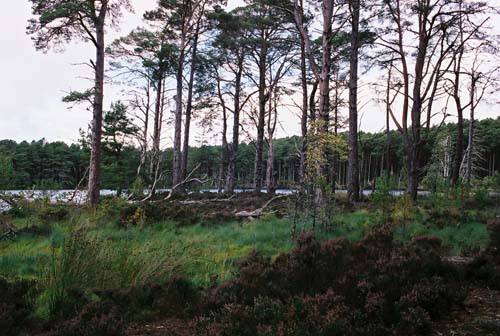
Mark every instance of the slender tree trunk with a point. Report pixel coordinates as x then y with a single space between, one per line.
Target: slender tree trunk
271 127
231 169
353 171
259 146
387 144
304 116
155 160
145 129
189 106
177 162
312 101
270 183
225 151
95 146
470 148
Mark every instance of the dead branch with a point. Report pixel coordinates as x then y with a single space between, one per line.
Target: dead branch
199 202
257 212
79 185
188 179
9 200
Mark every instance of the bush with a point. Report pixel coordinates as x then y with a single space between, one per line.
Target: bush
494 232
95 319
485 269
16 304
53 212
374 287
175 297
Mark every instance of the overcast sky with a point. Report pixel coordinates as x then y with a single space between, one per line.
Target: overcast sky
32 83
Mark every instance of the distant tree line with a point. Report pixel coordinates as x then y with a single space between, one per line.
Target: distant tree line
57 165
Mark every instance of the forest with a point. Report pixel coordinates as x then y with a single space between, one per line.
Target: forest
53 166
188 206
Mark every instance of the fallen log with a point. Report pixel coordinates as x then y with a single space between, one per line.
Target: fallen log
201 202
8 199
257 212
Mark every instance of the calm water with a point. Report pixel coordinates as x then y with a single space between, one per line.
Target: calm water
80 196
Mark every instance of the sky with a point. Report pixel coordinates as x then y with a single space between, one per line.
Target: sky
33 83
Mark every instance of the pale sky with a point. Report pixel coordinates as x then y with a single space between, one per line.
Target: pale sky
33 83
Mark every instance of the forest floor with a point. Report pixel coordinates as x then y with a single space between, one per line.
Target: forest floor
480 316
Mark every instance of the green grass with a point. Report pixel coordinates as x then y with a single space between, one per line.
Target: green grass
207 252
458 239
86 250
204 253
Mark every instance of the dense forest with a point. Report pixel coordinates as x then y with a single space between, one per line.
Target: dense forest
42 165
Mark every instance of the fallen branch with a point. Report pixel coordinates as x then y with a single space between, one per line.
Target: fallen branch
9 200
216 200
257 212
78 185
188 179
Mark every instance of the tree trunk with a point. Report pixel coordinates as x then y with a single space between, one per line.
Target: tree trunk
189 106
304 116
155 159
144 140
177 162
270 183
470 148
231 168
353 170
259 145
95 146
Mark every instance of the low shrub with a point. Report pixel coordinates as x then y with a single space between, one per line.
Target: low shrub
175 297
374 287
485 269
16 304
94 319
49 213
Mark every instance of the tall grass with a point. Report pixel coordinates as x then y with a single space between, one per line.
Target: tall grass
89 262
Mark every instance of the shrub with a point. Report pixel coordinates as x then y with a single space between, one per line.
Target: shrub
53 212
174 297
95 319
373 287
15 304
485 269
494 232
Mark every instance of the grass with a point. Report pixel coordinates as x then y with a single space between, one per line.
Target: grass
205 253
458 239
86 250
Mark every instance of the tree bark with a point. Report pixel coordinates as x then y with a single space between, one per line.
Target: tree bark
231 168
177 162
304 116
259 145
95 146
155 159
189 105
353 170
